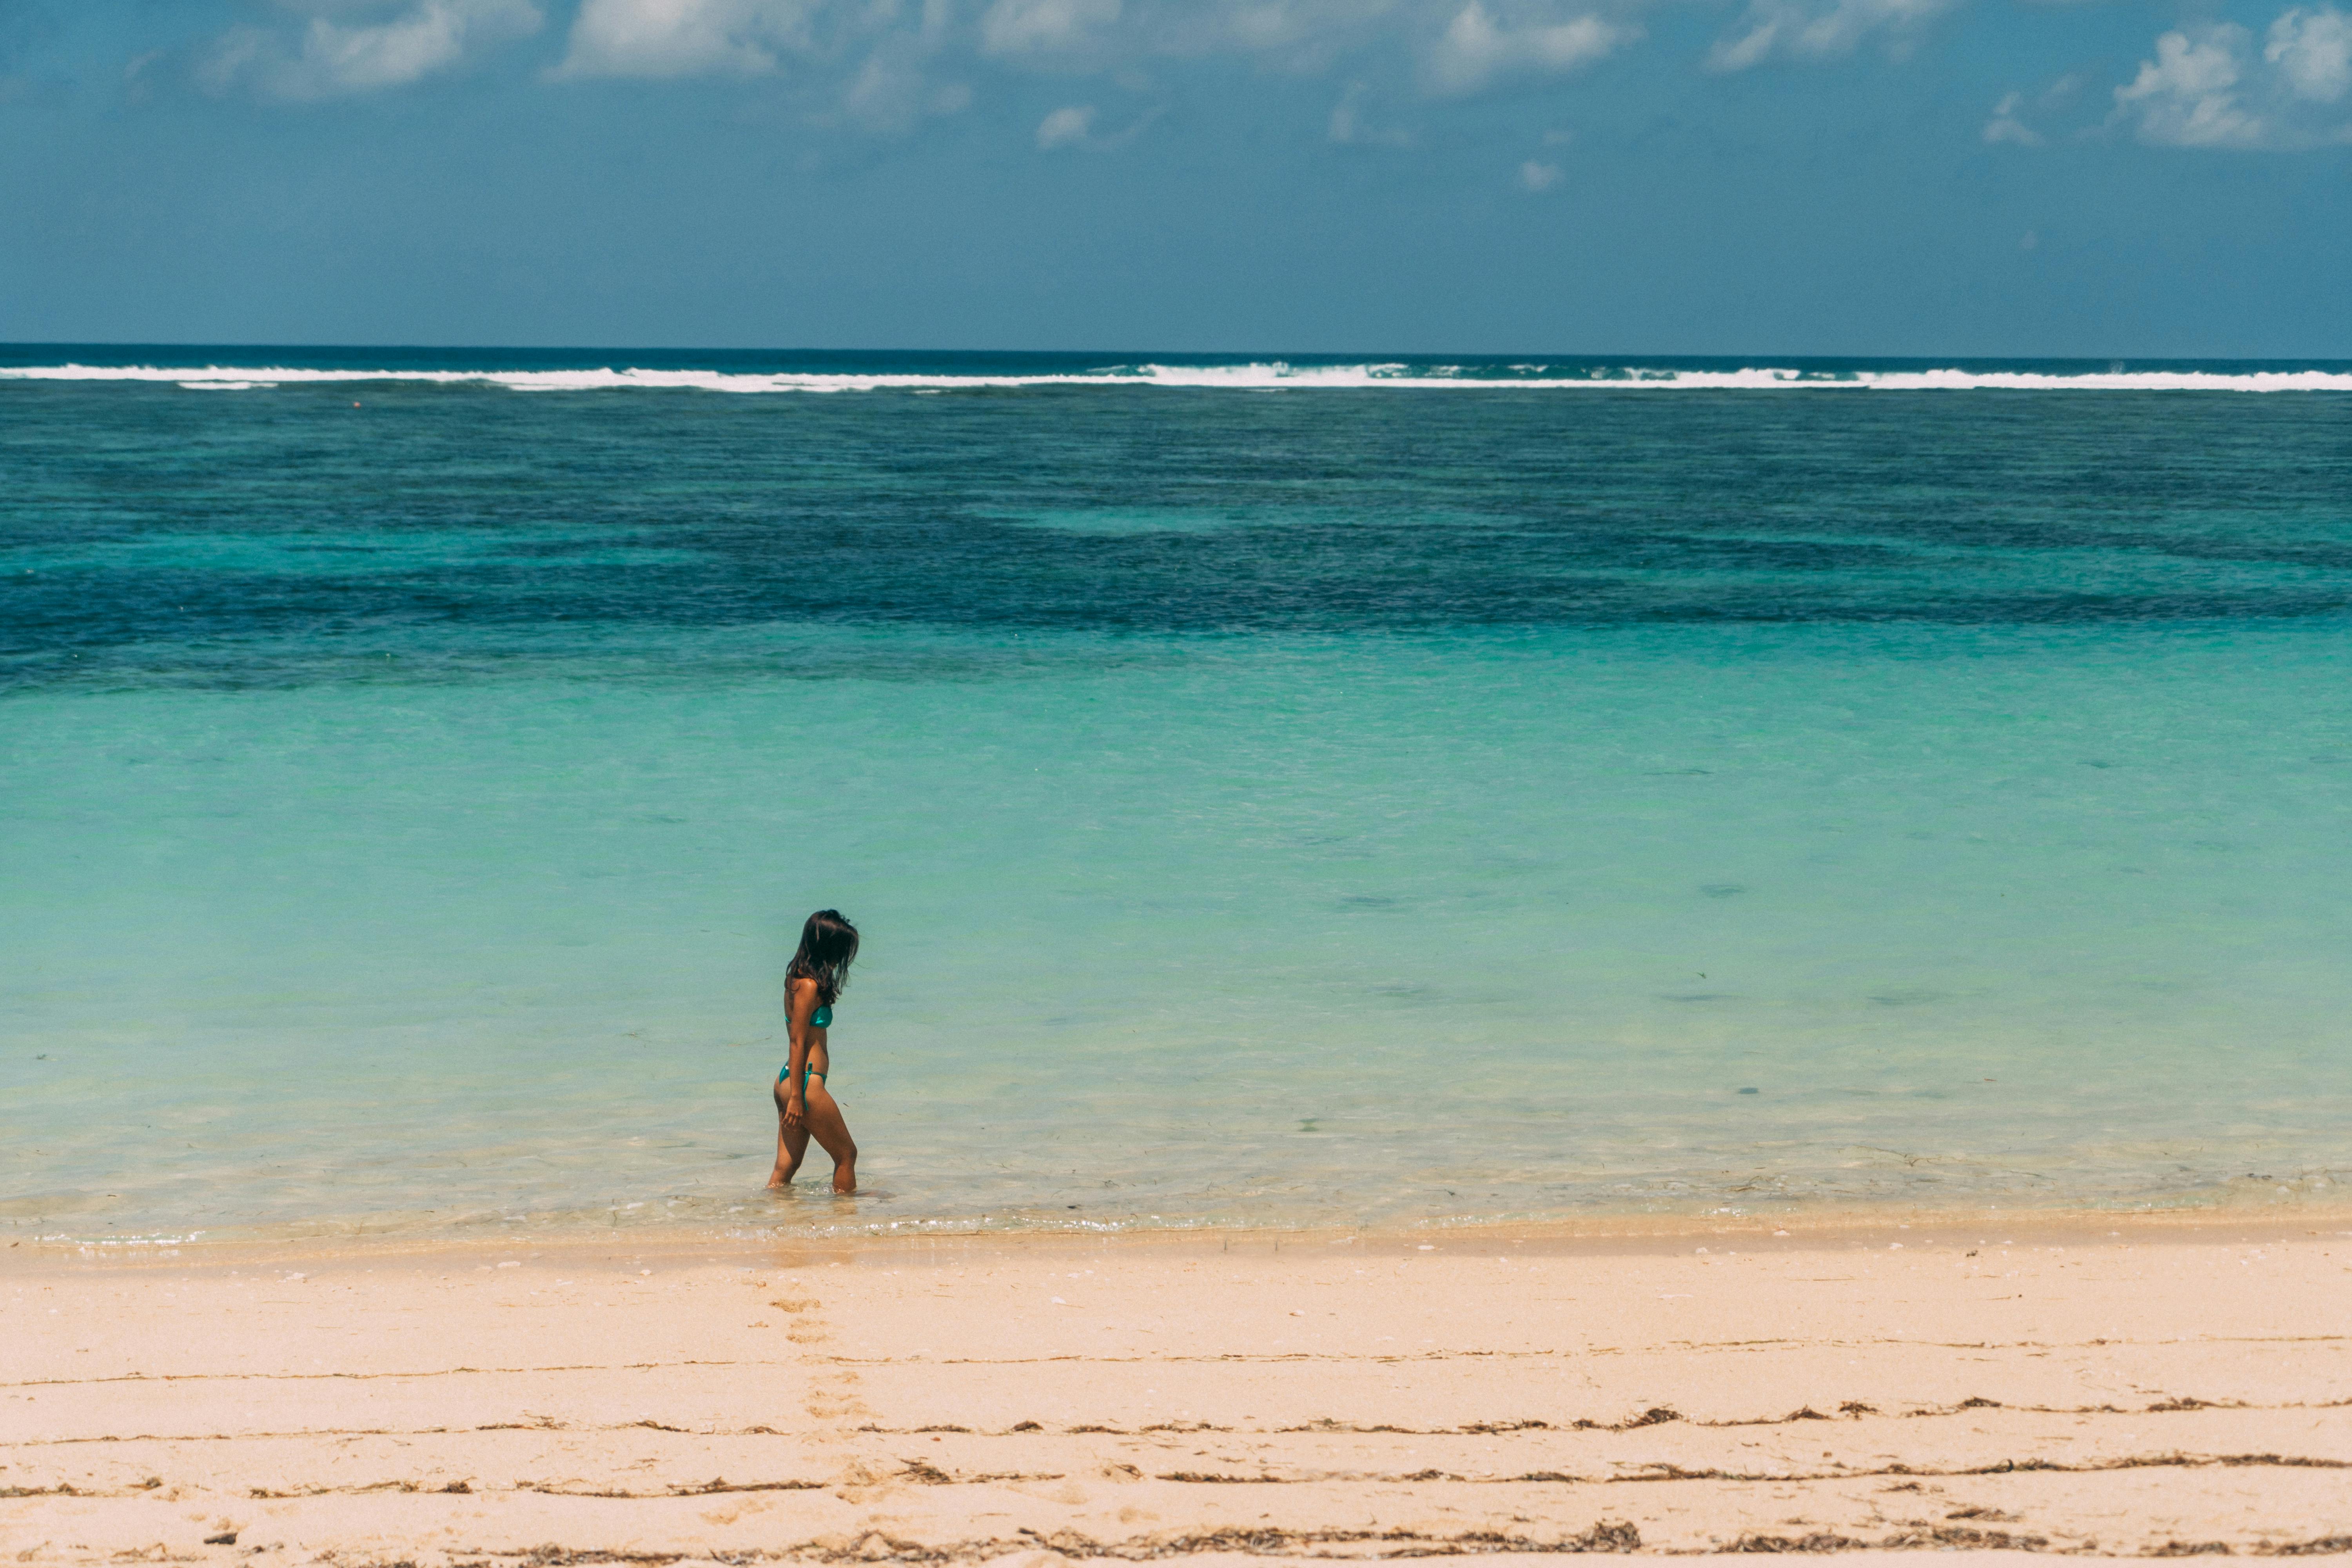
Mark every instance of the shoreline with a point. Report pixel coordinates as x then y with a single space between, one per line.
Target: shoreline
1597 1235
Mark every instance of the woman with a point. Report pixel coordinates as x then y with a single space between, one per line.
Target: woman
805 1106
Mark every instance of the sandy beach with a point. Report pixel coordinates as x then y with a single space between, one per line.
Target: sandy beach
2102 1386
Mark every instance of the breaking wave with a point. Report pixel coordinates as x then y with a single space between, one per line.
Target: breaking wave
1271 375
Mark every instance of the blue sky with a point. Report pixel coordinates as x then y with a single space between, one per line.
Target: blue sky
2105 177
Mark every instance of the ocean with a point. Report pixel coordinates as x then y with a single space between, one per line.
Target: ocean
1308 792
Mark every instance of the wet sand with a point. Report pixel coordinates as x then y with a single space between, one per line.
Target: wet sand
2106 1385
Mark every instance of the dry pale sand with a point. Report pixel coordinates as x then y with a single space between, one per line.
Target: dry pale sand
2108 1386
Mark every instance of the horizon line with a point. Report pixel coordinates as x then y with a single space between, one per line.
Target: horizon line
1126 355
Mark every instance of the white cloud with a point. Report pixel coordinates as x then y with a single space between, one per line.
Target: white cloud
690 37
2206 88
1474 47
2313 52
888 65
335 57
2187 96
686 38
1045 26
1794 30
2005 126
1535 176
1066 127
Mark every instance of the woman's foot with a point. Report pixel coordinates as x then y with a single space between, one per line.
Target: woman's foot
845 1180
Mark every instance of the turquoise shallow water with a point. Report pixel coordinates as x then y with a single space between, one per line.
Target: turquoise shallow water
1331 807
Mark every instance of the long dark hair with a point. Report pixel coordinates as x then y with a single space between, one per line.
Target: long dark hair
827 944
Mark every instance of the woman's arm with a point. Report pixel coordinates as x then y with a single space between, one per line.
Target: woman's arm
800 1005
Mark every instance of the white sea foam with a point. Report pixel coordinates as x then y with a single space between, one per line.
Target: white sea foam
1271 375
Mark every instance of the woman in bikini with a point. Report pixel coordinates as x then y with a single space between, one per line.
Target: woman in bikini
805 1106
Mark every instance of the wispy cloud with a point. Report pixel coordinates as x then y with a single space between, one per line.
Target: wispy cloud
1045 27
1074 125
2020 120
2005 126
876 64
687 37
893 88
1068 127
2206 86
1479 46
1535 176
1793 29
331 58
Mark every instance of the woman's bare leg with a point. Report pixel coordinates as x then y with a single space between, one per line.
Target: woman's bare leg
825 1123
792 1144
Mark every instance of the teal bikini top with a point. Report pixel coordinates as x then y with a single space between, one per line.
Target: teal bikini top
821 1018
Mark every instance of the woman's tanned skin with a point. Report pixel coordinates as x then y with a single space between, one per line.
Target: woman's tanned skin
801 1114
